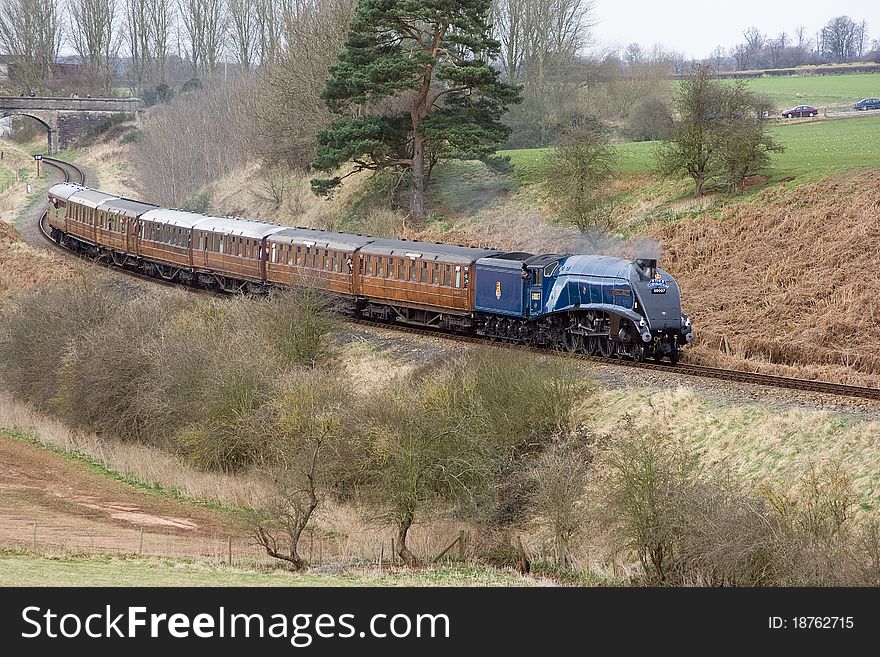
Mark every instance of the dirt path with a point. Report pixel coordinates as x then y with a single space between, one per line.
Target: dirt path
79 509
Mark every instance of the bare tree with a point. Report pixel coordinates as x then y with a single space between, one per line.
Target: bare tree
509 21
840 38
533 33
269 23
94 35
305 426
292 112
862 39
31 33
174 157
244 32
205 23
754 39
161 20
803 46
560 478
633 54
140 39
576 173
775 48
742 56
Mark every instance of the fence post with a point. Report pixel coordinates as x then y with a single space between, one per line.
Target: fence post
393 553
311 543
229 551
381 555
461 545
141 546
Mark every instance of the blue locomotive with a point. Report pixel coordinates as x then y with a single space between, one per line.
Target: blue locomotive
599 305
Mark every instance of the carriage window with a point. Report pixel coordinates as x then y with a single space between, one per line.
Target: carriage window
458 277
435 274
423 273
401 269
413 269
296 256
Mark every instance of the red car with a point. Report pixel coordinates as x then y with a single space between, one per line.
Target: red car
799 111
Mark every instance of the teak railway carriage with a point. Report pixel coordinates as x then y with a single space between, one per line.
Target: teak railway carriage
594 304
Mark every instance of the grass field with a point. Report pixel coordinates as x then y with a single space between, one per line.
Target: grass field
820 90
812 149
20 569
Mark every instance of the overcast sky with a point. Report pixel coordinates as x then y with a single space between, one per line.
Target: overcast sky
696 27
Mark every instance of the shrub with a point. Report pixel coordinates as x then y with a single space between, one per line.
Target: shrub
198 203
649 120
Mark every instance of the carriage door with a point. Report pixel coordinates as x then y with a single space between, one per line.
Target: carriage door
536 292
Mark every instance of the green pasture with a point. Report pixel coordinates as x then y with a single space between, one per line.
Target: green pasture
811 149
819 90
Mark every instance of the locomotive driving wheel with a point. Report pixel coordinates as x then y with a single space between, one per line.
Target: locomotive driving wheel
591 345
638 353
573 342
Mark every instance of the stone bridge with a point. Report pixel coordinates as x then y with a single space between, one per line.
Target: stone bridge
67 119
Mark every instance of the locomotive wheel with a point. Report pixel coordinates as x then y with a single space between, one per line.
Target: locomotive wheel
573 342
591 345
638 353
606 347
674 356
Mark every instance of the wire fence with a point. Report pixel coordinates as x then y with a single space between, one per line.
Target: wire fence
317 548
847 112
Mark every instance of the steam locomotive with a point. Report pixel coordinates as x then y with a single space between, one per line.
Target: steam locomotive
599 305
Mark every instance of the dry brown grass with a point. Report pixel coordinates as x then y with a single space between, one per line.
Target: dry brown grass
23 267
141 463
789 279
343 533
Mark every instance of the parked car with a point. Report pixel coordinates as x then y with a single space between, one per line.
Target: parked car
867 104
799 111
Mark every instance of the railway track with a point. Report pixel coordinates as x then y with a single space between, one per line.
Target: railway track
73 174
738 376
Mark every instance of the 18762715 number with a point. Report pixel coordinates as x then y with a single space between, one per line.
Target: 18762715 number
821 622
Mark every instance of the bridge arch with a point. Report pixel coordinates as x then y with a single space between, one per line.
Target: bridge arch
46 122
67 119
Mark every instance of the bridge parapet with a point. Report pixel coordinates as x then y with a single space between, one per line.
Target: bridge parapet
67 119
71 104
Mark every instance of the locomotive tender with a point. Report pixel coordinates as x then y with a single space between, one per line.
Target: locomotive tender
599 305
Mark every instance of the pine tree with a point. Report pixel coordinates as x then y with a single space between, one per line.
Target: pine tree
413 85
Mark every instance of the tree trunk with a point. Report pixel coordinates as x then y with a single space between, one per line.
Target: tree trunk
417 195
403 551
